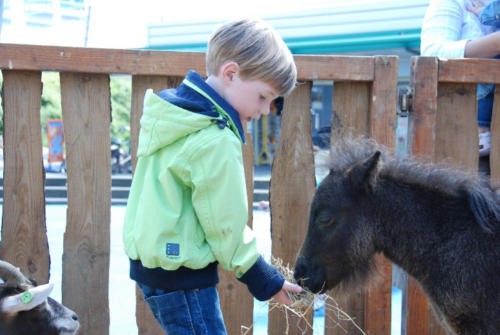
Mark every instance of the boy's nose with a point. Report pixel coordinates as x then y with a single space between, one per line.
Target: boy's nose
266 110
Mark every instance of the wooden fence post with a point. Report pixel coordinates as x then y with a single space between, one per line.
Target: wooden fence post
291 190
421 142
383 121
86 108
422 145
24 233
350 116
364 108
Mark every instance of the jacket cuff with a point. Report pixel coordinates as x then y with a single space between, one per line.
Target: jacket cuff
263 280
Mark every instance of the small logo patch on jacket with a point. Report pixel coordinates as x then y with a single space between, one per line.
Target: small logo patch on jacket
173 249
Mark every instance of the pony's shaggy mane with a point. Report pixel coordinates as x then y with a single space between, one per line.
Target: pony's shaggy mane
484 201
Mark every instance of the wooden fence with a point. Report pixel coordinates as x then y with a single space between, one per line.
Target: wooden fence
365 99
365 96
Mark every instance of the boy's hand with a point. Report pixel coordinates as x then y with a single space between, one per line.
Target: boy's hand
477 6
282 296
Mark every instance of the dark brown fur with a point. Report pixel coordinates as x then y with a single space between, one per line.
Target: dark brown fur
440 225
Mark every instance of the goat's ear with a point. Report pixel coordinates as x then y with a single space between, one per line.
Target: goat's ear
27 300
363 175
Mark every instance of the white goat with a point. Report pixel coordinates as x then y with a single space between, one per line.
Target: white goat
25 308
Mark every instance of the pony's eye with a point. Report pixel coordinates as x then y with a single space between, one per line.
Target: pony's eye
325 221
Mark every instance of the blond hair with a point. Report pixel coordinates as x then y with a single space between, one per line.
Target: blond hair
258 50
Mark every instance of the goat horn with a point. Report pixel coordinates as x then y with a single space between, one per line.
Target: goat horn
27 300
12 276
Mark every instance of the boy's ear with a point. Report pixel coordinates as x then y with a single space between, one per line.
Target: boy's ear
228 71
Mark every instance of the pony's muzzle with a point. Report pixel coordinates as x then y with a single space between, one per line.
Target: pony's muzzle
309 274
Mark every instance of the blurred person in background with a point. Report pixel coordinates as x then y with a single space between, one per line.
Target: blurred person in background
452 29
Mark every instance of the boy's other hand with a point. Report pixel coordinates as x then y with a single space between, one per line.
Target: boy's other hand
282 296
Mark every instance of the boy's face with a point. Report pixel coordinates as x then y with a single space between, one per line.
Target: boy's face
250 98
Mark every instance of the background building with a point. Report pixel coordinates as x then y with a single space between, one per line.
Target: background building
361 27
47 22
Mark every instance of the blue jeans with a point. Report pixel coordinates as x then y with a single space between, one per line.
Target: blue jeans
489 15
188 312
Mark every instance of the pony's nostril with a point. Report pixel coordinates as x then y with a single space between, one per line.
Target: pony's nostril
74 317
298 274
300 281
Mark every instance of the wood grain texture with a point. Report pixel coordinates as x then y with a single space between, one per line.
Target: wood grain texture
146 323
457 139
164 63
24 233
383 107
469 70
105 61
423 119
378 300
418 309
352 303
339 68
86 109
292 186
350 109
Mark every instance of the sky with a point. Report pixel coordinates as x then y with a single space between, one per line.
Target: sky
123 23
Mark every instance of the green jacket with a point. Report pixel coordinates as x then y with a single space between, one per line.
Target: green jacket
188 208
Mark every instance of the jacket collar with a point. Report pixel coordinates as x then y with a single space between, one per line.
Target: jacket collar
193 78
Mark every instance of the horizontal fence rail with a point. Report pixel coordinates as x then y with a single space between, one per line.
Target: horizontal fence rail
164 63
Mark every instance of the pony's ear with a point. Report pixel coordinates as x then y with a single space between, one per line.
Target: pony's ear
363 175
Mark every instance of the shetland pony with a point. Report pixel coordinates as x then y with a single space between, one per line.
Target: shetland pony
441 225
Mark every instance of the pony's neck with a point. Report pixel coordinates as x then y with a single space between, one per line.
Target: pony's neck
413 221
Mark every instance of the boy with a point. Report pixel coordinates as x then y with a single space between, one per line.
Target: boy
187 210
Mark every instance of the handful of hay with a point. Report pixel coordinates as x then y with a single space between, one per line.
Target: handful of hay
303 305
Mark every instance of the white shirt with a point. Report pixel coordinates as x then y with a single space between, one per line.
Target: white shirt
448 26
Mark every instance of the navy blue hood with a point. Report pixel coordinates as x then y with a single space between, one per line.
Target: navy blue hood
187 98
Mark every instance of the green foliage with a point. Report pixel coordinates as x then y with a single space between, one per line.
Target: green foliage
121 92
51 101
51 104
